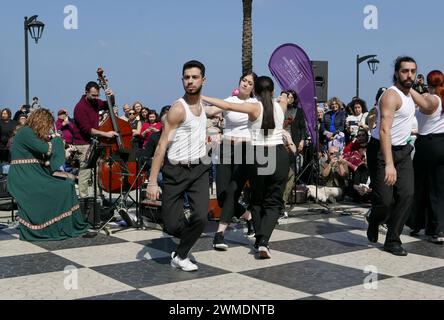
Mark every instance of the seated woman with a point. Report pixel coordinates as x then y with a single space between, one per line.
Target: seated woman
48 208
354 154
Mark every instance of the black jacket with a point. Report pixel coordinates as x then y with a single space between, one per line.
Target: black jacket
298 127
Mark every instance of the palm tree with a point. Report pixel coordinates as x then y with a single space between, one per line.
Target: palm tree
247 37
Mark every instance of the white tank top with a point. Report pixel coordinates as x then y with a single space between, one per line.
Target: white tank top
275 137
236 123
188 144
433 123
402 120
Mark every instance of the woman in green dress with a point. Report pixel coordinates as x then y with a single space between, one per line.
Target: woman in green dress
48 207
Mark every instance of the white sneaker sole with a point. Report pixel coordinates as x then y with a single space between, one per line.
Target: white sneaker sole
220 247
184 269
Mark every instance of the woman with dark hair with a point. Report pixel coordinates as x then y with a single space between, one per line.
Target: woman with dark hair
143 115
295 120
358 119
138 107
7 127
231 176
428 162
295 125
148 128
46 197
271 165
151 145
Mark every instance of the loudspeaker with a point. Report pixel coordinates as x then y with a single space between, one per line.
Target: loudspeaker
320 72
102 213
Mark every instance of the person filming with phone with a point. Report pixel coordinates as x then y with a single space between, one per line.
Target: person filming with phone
334 174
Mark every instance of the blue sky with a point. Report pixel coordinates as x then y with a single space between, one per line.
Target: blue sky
142 44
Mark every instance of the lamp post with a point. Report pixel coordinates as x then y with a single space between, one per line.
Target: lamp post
372 64
35 29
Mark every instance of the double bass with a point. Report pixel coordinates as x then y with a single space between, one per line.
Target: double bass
117 169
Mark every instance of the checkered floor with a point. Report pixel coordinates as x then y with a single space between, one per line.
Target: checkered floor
315 255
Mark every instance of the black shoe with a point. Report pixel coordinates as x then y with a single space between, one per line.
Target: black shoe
250 230
396 250
219 243
372 232
106 202
125 216
89 235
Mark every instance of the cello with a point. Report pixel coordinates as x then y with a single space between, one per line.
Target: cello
117 170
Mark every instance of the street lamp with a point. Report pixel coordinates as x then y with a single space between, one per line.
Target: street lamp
35 29
372 64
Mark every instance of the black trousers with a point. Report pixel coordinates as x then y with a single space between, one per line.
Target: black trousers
428 202
231 176
391 205
267 191
4 155
177 180
360 176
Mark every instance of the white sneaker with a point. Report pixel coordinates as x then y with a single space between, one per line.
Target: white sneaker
264 252
184 264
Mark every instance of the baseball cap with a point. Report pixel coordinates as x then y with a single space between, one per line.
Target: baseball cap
62 111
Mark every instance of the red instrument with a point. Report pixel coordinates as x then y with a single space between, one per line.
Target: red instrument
117 170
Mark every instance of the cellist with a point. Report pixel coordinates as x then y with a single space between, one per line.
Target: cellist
86 120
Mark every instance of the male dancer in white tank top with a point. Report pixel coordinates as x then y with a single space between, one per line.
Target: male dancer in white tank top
185 169
389 160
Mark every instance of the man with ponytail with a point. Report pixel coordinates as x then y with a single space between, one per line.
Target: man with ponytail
389 161
428 163
265 121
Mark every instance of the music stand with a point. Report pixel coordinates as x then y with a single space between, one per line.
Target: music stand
314 166
95 152
120 203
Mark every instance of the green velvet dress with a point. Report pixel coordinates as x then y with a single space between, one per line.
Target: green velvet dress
48 207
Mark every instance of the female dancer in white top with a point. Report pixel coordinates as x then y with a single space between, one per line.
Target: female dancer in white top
428 163
266 118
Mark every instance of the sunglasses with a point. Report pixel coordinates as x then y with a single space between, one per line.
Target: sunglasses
131 113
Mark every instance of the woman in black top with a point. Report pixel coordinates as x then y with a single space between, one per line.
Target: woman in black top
7 126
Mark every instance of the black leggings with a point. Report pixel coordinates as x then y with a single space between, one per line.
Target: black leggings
267 191
231 176
428 203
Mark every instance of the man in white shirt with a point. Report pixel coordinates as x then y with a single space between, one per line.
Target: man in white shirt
389 162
